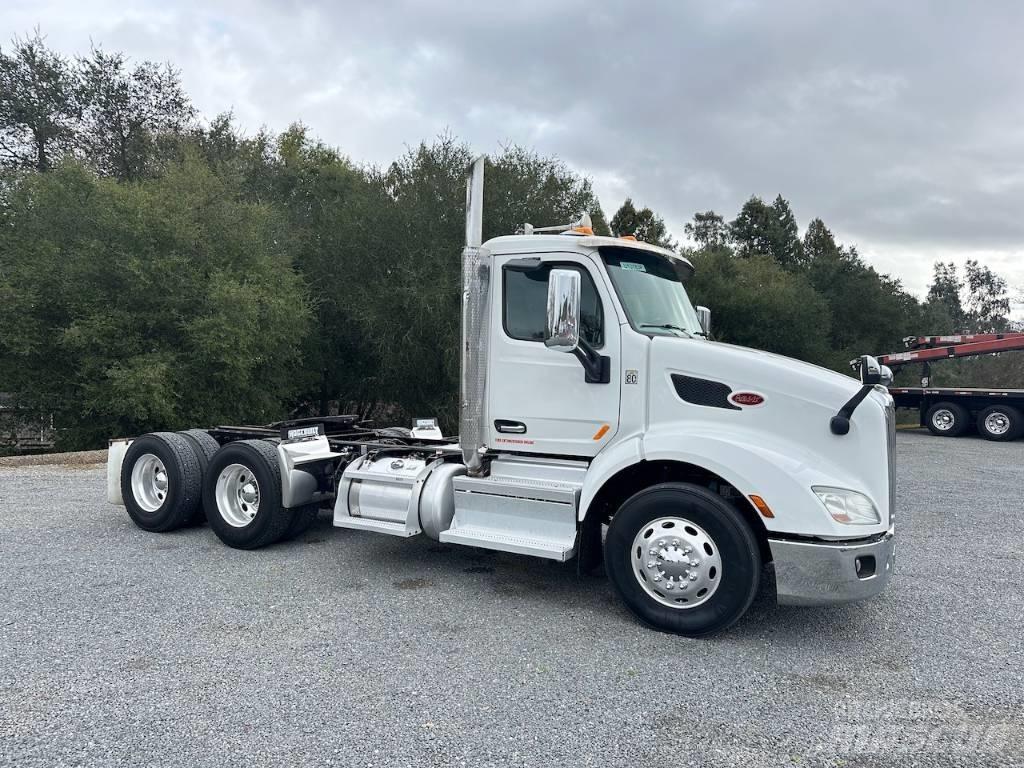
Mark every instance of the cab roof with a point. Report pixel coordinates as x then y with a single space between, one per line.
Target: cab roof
573 242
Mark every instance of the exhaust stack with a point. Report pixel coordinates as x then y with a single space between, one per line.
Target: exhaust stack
476 284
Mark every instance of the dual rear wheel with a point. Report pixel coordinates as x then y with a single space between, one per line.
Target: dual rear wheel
170 479
996 422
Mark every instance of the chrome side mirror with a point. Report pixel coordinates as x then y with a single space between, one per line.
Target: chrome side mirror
563 324
870 370
704 318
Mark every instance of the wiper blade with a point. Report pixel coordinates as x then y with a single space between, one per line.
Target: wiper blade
666 326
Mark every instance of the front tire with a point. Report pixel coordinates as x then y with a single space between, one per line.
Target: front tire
242 495
947 419
682 559
1000 423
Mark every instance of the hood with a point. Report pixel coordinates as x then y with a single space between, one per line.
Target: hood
758 371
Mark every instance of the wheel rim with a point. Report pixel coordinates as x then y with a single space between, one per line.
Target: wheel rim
997 423
676 562
238 495
943 419
149 482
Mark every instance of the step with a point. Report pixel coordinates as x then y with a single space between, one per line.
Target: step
488 538
380 526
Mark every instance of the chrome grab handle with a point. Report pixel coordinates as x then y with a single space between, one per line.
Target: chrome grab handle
511 427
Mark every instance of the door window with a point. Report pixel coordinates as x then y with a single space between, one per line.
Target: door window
526 302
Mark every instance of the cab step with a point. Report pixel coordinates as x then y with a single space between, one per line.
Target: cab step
525 506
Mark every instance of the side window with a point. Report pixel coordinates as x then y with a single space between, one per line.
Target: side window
526 300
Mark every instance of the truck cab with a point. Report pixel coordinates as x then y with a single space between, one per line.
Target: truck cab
599 422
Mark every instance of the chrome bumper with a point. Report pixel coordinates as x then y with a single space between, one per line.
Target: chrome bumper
824 572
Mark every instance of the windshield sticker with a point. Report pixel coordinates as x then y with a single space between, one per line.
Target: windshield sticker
632 265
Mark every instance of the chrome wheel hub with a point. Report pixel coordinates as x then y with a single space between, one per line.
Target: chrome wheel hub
997 423
676 562
238 495
149 482
943 420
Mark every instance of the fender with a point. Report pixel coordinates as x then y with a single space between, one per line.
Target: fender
753 462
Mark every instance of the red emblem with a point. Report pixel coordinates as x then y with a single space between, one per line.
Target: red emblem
746 398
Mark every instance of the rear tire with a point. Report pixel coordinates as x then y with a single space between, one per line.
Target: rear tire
1000 423
682 559
242 495
302 520
205 448
161 481
947 419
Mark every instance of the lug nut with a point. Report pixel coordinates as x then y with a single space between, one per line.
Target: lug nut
693 577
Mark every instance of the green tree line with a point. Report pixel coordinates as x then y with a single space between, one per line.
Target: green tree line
158 271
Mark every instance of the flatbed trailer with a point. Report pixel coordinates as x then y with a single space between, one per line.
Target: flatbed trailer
998 414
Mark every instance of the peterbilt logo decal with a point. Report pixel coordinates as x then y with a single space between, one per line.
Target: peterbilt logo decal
746 399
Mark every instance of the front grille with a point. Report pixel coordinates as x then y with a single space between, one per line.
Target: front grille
890 435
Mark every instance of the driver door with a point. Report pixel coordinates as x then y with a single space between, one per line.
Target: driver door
538 398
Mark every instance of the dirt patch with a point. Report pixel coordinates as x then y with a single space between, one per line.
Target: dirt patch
79 458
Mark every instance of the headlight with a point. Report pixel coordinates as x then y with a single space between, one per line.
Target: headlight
847 507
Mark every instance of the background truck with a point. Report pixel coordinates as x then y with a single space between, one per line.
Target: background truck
597 421
998 414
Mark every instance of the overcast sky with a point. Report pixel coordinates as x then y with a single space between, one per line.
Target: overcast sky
900 124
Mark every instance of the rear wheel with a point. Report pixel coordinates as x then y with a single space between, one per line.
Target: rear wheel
161 481
682 559
1000 423
205 447
242 495
947 419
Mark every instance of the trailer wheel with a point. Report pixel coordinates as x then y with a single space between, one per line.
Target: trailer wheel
205 447
242 495
161 481
947 419
682 559
1000 423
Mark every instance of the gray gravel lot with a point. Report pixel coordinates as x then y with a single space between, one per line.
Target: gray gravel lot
120 647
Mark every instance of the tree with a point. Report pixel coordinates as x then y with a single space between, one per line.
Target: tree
944 309
643 224
163 304
708 230
129 111
768 230
39 105
759 304
988 304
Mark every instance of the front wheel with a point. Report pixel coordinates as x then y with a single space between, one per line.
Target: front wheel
682 559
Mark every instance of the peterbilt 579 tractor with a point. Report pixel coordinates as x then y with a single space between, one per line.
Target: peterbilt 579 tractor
598 421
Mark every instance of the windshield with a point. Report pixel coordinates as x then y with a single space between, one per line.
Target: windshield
652 292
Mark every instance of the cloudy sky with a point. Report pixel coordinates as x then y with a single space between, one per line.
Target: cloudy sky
901 124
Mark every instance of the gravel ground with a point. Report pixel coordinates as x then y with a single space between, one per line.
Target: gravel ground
120 647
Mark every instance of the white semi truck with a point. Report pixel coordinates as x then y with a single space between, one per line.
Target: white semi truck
597 419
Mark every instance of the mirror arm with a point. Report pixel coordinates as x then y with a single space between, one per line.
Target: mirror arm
597 367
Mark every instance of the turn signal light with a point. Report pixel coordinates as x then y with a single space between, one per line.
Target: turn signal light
763 508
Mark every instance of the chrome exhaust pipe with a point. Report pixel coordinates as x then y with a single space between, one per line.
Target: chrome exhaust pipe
476 285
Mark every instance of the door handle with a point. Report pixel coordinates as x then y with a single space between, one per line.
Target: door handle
511 427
